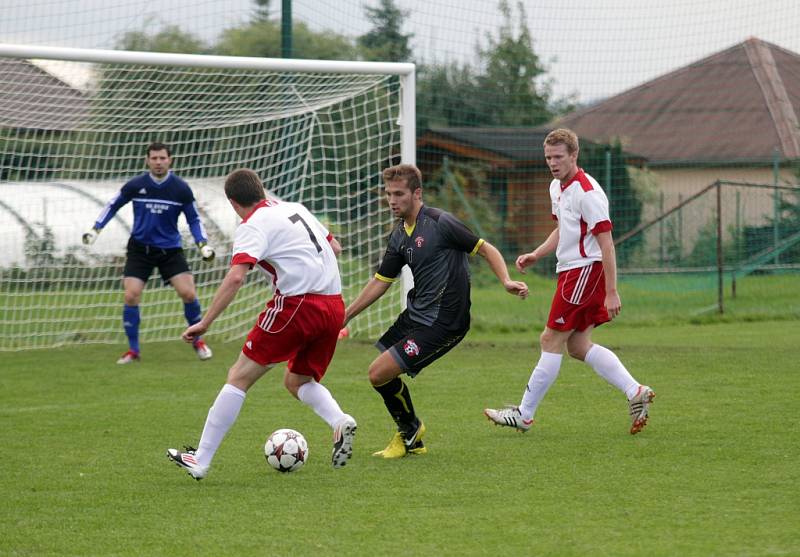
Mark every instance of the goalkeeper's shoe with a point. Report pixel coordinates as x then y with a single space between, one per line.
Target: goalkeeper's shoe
186 460
203 350
343 435
509 416
128 357
639 407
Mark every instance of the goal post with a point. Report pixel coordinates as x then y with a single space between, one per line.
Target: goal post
74 126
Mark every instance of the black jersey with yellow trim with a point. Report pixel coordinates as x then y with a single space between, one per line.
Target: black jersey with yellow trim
435 250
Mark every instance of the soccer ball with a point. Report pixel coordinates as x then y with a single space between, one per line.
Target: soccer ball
286 450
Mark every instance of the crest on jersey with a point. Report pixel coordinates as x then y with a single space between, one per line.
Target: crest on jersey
419 240
411 348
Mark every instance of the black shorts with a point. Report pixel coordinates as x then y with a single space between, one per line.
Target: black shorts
415 346
141 259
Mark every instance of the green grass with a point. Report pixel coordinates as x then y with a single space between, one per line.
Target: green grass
715 473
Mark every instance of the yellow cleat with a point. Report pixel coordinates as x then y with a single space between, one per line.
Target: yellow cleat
419 448
395 449
399 446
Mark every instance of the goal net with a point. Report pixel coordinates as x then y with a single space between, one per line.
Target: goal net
74 126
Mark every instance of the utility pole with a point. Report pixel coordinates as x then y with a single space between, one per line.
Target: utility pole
286 29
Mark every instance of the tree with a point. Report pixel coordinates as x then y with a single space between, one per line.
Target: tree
169 39
446 96
385 42
506 88
262 37
261 11
510 71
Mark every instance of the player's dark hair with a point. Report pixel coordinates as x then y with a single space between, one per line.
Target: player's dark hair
244 187
407 172
158 146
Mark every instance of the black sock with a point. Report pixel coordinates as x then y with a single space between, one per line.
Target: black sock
397 399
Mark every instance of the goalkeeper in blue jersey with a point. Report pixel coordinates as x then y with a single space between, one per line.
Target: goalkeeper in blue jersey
159 197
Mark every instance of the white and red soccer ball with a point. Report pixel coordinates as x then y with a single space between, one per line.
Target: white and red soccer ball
286 450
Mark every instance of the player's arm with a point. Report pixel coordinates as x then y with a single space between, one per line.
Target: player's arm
545 248
198 232
226 293
111 208
374 289
606 242
495 260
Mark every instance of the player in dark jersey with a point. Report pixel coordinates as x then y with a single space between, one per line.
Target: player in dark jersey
159 197
434 244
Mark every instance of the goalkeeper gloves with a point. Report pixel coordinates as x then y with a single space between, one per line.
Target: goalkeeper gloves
206 251
89 237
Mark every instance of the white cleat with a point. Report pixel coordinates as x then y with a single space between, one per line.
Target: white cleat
343 435
509 416
185 459
639 408
203 350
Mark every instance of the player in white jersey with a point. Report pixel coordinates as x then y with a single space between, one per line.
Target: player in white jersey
300 324
586 295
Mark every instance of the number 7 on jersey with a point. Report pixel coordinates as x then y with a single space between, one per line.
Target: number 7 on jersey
294 218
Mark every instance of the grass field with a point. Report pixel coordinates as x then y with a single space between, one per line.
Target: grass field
83 470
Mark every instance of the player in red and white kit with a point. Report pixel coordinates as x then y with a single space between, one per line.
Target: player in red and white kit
300 324
586 295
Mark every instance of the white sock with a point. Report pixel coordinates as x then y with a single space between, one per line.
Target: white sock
542 377
608 366
220 418
321 401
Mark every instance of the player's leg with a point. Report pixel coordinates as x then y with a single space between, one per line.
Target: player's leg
541 379
183 283
544 374
407 348
560 325
608 366
590 313
315 395
384 376
221 417
314 330
602 360
131 318
138 267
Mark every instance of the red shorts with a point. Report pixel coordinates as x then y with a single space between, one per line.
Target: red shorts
299 329
579 301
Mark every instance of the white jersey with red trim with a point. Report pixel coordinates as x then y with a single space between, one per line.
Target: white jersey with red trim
290 246
581 208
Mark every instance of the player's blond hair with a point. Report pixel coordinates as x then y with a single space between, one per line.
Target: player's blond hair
406 172
563 136
244 187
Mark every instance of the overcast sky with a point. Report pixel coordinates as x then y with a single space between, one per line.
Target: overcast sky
595 48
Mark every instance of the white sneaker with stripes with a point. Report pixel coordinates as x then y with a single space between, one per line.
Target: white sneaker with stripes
509 416
185 459
639 408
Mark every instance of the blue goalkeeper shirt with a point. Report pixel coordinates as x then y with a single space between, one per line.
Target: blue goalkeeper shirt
156 208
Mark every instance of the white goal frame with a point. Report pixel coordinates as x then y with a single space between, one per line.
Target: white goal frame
406 116
406 71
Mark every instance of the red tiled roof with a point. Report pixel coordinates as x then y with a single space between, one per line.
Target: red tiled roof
736 106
